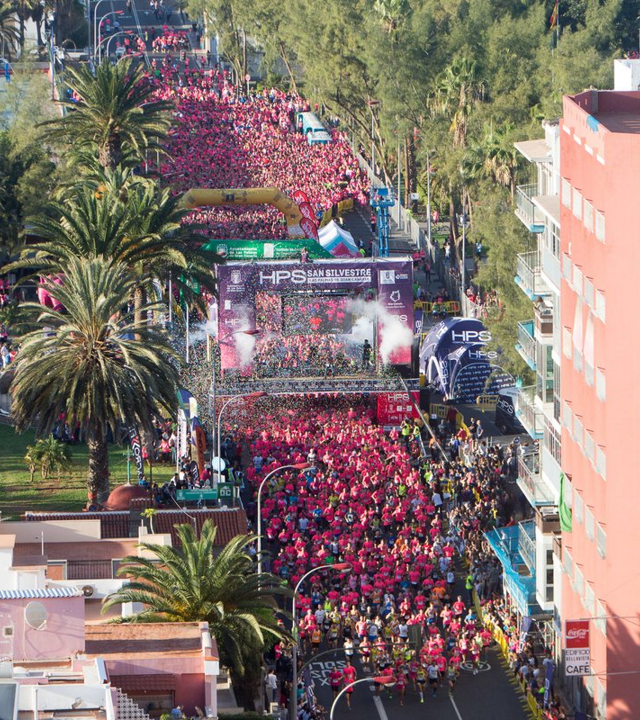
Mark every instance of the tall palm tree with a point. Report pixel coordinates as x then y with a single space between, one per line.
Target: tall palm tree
189 583
128 220
494 156
9 33
84 362
457 91
116 112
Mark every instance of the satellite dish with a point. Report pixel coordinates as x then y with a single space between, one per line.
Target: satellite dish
218 464
35 615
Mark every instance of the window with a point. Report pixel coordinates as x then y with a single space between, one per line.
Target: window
578 507
589 447
577 204
601 541
588 215
566 267
589 599
567 562
577 335
601 618
578 431
566 343
601 462
550 557
601 385
588 292
600 305
577 279
600 229
578 579
589 523
565 193
551 438
589 352
567 415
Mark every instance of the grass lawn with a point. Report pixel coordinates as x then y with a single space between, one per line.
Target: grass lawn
18 494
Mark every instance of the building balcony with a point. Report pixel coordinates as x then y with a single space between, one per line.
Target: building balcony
529 277
526 211
548 520
530 416
527 544
526 345
530 480
543 319
519 579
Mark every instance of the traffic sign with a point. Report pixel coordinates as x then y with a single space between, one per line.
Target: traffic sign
222 491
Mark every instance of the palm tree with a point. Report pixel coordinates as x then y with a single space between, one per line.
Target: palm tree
494 157
117 113
9 33
457 91
189 583
84 362
125 219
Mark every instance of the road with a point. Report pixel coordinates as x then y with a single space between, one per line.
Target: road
490 695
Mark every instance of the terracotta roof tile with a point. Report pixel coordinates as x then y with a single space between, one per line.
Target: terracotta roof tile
144 683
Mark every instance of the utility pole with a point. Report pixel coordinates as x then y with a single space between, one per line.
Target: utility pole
463 220
429 200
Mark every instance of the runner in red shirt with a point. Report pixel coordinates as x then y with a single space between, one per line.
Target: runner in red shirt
335 680
349 674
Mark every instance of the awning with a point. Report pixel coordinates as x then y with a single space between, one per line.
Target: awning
534 150
52 592
550 206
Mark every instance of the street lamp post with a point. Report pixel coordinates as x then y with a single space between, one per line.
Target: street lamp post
380 680
249 396
212 393
97 25
340 567
296 466
95 32
108 41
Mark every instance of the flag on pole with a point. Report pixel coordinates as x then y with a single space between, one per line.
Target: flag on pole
554 16
566 516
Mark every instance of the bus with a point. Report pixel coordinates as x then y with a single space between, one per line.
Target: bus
314 130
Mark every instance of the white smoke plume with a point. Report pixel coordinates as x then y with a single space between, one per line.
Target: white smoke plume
395 334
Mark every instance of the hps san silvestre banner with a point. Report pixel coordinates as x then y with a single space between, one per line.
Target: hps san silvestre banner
391 281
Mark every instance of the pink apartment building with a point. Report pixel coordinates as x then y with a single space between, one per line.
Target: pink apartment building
600 391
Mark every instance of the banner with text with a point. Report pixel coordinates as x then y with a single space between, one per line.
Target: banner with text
577 654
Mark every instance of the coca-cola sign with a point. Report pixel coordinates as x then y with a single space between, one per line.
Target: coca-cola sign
577 654
577 634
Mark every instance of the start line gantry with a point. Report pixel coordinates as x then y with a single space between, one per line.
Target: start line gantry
316 385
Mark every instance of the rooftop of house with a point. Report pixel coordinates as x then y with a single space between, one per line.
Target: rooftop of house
141 640
115 525
103 550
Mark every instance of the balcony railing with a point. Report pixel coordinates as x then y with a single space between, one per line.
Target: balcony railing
526 345
529 277
529 415
527 544
526 211
531 482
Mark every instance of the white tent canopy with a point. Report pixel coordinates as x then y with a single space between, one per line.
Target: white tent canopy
337 241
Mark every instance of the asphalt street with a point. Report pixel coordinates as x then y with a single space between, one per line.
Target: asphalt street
489 695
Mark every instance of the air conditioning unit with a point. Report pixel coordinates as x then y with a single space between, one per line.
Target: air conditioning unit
88 590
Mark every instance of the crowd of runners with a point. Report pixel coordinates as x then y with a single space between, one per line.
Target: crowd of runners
407 527
223 139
